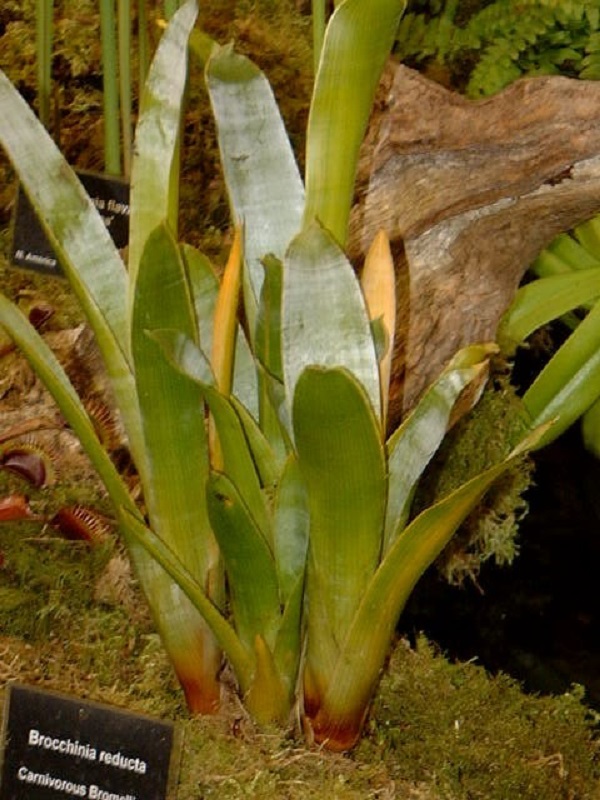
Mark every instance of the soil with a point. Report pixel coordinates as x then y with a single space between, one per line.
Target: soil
442 726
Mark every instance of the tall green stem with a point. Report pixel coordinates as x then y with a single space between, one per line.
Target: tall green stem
171 7
124 28
43 33
143 41
318 27
112 144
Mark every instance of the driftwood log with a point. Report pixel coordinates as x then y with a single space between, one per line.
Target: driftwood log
470 193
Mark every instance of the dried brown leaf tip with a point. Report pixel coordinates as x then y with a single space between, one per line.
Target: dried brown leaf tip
82 524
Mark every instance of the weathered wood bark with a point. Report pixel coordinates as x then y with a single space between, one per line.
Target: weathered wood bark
469 193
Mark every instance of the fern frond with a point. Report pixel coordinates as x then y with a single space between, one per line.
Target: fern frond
512 39
421 36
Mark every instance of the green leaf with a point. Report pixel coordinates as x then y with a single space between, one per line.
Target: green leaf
267 347
76 230
567 248
543 300
264 185
289 644
342 464
267 463
155 170
547 264
268 699
358 40
344 703
324 318
171 408
249 563
204 286
413 444
240 658
173 422
588 235
192 366
568 384
290 528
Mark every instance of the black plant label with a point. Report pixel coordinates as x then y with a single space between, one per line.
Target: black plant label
31 248
56 747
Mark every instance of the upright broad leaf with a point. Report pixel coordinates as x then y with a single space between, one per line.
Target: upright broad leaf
249 564
267 340
339 718
267 346
341 461
155 168
238 463
204 285
324 318
291 528
177 463
265 188
413 444
358 40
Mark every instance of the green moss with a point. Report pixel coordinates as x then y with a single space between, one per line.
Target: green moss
479 440
468 735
